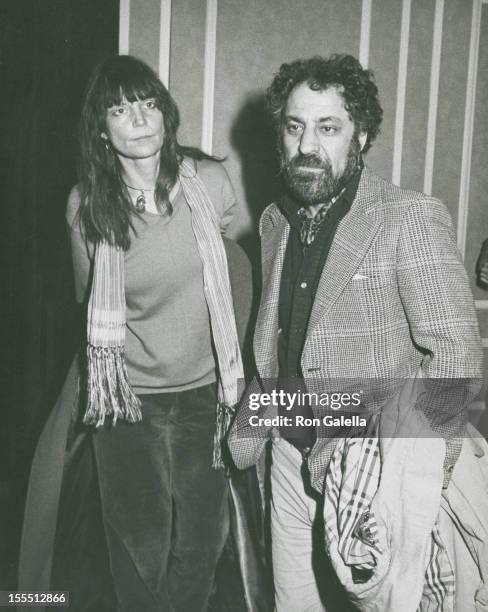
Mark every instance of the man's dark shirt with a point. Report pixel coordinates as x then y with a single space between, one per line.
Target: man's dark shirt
302 269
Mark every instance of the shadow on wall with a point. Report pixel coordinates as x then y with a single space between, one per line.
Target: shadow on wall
253 138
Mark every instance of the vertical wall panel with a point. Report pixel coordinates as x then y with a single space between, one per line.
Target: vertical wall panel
164 40
144 31
478 197
365 39
396 172
383 60
124 26
209 76
469 127
452 93
186 66
417 98
433 95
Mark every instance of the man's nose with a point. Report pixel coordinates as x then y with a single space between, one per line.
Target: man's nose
309 142
138 116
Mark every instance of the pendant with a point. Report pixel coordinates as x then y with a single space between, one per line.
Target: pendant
140 204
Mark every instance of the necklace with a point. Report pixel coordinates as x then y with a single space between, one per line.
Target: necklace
140 204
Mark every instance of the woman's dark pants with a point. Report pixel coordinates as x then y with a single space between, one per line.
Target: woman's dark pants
164 506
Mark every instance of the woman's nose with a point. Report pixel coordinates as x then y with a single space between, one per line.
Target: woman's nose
138 116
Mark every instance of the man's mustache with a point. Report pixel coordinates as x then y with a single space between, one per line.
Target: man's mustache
307 161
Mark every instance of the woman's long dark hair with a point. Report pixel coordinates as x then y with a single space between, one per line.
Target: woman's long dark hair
106 207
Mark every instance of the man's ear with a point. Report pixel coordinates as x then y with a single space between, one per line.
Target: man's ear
362 137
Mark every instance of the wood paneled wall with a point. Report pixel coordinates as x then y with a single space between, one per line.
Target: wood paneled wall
429 57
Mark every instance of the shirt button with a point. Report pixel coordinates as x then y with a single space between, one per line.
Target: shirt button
303 285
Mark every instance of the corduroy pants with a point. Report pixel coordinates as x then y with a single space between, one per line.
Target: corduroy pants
164 506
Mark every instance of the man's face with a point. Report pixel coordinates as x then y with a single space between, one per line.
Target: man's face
320 149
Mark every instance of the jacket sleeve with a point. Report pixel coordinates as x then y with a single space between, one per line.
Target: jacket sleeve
435 293
439 307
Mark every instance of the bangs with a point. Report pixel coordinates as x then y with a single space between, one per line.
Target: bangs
130 80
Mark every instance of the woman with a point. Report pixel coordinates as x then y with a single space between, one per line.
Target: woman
163 359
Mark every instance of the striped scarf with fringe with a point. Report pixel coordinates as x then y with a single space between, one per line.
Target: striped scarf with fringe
109 390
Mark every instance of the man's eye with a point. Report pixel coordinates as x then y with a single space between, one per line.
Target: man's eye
294 128
328 129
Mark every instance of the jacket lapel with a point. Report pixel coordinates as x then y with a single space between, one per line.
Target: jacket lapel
273 245
353 237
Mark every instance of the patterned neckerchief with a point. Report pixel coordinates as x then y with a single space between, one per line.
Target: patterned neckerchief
310 226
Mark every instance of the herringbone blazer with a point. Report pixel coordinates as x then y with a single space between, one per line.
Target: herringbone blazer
393 300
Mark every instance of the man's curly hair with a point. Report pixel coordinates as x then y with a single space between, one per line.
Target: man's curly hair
355 84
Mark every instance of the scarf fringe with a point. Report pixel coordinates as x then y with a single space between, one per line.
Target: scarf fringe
223 421
109 391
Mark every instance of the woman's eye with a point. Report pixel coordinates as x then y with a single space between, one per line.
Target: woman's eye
150 104
119 110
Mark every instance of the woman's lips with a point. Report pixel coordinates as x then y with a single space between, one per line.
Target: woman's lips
143 137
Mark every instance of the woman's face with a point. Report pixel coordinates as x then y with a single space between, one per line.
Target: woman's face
135 129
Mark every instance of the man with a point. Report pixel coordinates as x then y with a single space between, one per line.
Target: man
361 281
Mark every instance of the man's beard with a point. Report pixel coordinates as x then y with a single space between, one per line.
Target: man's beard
311 188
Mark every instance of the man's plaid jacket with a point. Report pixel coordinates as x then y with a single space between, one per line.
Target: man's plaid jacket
393 302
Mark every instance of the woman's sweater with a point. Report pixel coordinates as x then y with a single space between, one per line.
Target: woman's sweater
168 340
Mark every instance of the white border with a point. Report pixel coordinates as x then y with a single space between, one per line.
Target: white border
465 180
209 75
433 95
401 93
164 41
366 10
124 26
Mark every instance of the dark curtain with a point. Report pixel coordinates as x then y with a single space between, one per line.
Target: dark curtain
47 49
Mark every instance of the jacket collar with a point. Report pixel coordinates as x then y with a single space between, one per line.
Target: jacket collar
353 237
